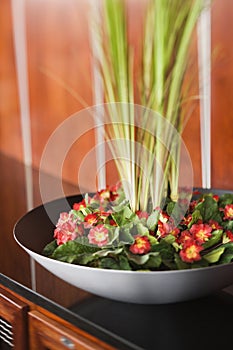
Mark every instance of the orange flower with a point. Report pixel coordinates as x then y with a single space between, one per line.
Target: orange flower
229 235
185 236
79 206
215 225
141 245
201 232
90 220
191 252
228 212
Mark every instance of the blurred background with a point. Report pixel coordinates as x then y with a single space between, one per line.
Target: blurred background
59 59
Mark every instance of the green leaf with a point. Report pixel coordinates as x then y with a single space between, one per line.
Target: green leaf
165 249
181 265
170 208
78 214
216 238
138 259
170 239
142 230
109 263
226 198
227 256
69 251
49 248
105 252
84 259
113 233
153 262
127 213
153 219
228 225
121 206
196 215
208 209
125 236
121 263
199 264
214 256
124 263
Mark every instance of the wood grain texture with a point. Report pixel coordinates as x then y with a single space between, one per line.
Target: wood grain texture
59 59
10 132
14 262
222 95
46 333
14 311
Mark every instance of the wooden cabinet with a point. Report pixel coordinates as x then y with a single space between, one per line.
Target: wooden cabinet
13 322
25 325
46 333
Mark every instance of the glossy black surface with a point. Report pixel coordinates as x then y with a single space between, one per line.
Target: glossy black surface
200 324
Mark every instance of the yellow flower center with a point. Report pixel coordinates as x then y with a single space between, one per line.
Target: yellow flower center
202 235
99 236
191 252
230 212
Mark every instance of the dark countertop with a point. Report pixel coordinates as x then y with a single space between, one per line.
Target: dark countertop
204 323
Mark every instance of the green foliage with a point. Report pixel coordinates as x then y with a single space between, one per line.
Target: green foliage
135 242
49 248
69 251
153 220
208 209
215 239
214 256
226 198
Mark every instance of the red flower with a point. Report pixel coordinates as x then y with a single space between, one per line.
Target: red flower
193 205
175 231
114 191
216 197
104 194
215 225
142 214
66 228
229 235
79 206
107 194
98 235
228 212
90 220
185 237
164 229
112 222
186 220
190 252
201 232
141 245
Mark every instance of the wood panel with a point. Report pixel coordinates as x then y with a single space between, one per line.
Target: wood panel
14 311
222 95
10 132
46 333
14 262
59 54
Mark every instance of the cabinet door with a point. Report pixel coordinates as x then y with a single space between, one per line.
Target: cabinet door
49 334
13 322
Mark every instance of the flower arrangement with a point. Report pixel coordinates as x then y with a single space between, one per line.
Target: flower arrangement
102 231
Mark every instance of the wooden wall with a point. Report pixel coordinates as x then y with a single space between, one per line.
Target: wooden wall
59 53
